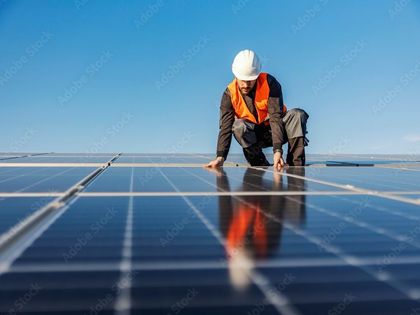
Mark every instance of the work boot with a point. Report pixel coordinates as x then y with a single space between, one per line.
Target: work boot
296 152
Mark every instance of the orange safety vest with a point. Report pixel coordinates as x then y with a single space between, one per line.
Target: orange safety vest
261 100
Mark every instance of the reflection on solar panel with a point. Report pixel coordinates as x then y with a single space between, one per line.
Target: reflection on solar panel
142 234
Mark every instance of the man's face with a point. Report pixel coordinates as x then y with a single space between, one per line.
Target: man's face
246 86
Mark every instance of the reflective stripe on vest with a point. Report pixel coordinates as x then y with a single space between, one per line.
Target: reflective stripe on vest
261 100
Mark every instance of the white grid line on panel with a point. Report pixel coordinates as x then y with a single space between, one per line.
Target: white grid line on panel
209 264
197 193
123 301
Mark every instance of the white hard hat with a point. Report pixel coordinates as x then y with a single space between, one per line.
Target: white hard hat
246 66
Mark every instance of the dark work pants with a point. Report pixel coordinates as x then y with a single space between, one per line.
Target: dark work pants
253 138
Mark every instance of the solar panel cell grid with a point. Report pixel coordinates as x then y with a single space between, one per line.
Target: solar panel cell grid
90 230
59 159
185 240
41 179
382 179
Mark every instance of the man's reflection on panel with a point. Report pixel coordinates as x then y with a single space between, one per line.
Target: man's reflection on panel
252 225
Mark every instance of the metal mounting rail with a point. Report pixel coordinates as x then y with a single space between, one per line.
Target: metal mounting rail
21 156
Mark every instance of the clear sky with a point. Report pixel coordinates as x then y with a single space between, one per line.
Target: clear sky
147 76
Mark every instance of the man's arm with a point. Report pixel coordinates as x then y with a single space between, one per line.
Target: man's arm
275 110
227 117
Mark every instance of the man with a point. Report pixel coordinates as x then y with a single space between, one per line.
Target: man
252 109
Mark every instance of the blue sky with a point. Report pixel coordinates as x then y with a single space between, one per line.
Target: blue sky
147 76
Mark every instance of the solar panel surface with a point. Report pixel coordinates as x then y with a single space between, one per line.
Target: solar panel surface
142 234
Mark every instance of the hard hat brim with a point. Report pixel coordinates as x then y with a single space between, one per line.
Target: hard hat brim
245 77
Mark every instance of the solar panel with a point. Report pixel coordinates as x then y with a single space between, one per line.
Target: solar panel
58 159
381 179
163 159
138 234
199 179
41 179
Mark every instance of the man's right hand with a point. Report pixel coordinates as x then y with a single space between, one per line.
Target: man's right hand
218 162
278 161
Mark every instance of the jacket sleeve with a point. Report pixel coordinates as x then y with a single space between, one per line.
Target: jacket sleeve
275 110
227 117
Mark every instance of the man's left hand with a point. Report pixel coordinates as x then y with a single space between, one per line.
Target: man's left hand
278 161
